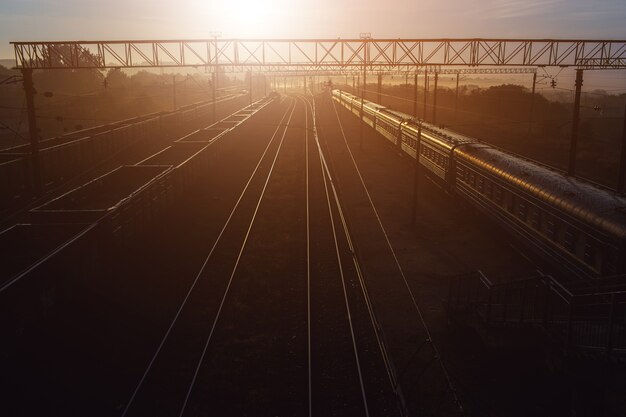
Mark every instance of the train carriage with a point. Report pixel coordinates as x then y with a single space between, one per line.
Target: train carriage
575 225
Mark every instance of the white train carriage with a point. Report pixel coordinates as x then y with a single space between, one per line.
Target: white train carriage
575 225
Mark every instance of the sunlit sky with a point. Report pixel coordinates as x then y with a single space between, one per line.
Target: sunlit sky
146 19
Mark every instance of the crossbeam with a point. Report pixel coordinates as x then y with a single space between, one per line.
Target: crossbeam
411 71
271 55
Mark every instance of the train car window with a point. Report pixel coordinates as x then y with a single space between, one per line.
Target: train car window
535 218
569 241
590 251
489 189
512 201
610 261
481 184
551 230
522 210
498 195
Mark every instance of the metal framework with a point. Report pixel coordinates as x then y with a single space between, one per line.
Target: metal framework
269 55
411 71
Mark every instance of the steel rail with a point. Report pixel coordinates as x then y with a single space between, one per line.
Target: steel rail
401 270
236 265
198 275
325 174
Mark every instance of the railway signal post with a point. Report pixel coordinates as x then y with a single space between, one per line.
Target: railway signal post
425 92
571 169
416 177
532 106
29 90
415 95
622 161
435 98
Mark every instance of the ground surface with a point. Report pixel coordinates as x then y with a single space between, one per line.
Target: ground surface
264 332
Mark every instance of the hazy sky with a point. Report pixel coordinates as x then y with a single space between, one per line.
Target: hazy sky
116 19
145 19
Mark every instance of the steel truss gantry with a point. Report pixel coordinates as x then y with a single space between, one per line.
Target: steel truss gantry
411 71
311 56
269 55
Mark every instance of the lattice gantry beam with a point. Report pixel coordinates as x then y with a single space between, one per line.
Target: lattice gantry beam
322 54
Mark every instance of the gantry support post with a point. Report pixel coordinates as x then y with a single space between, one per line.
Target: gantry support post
571 169
174 91
435 99
250 92
622 164
425 91
532 107
456 98
214 95
380 88
364 85
264 85
415 95
353 84
361 126
416 176
29 90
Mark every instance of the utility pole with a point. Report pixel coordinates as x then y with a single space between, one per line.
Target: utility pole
532 106
361 127
571 169
214 92
456 98
622 164
250 92
363 36
415 96
174 91
416 175
425 91
29 90
435 99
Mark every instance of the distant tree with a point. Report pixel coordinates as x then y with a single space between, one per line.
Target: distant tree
70 55
144 78
116 78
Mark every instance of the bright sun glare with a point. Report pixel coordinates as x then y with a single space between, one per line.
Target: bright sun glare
248 16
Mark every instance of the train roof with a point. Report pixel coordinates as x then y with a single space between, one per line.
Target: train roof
604 210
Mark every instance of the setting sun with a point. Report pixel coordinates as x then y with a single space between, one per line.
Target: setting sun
247 17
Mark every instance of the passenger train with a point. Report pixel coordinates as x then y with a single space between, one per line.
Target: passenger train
573 224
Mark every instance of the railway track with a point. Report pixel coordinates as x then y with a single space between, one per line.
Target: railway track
276 318
425 357
250 300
